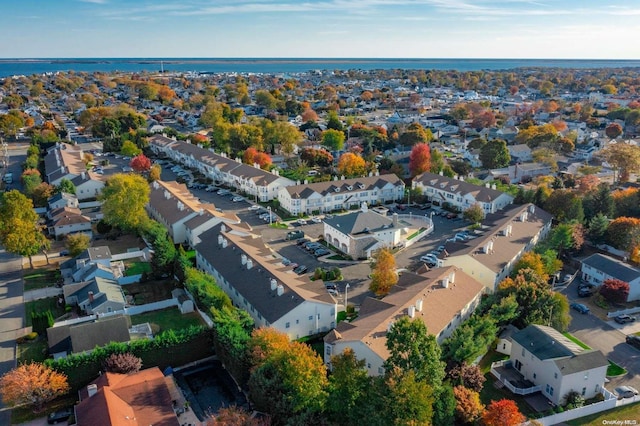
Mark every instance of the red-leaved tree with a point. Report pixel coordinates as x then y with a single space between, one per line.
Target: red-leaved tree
616 291
613 130
253 156
502 413
419 159
140 163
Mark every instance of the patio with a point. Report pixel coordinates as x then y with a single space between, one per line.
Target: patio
512 379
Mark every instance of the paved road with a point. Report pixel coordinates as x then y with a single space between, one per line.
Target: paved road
599 334
11 315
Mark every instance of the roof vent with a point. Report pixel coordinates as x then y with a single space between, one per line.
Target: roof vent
274 284
92 389
280 290
224 243
243 259
220 238
249 264
445 282
412 311
167 194
419 305
532 209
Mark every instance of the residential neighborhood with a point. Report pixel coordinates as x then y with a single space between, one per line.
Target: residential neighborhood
193 246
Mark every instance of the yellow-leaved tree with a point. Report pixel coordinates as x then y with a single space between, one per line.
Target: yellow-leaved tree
32 384
384 274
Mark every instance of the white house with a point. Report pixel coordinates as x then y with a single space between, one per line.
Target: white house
257 281
358 234
460 194
62 199
598 267
520 153
545 360
252 180
442 298
64 161
340 194
174 206
504 237
68 220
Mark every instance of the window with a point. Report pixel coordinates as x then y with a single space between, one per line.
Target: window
534 375
287 325
368 365
522 351
584 391
297 321
555 375
328 350
381 371
310 317
549 390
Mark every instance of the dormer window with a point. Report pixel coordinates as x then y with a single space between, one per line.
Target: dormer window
361 186
350 188
337 190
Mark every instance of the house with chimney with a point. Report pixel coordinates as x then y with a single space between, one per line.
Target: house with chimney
249 179
69 337
455 192
96 296
340 194
93 260
442 298
361 233
141 398
491 253
543 359
183 214
63 199
255 279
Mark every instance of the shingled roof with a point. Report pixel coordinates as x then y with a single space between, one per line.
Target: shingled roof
456 186
612 267
344 186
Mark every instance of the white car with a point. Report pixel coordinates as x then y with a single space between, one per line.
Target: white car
429 258
237 199
302 222
316 219
254 207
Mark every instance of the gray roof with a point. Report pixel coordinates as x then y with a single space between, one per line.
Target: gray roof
359 222
357 185
612 267
254 284
88 335
99 253
586 360
546 342
480 193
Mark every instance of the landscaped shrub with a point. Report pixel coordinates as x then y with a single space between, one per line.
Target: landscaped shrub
40 321
31 336
122 363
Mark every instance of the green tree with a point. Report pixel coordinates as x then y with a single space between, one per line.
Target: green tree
624 233
416 134
130 149
333 139
624 158
333 121
77 243
598 228
412 348
19 229
599 201
494 154
124 199
67 186
474 213
348 384
469 340
408 401
30 180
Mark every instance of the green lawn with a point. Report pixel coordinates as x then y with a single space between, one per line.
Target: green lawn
279 225
168 319
138 268
490 393
43 305
628 412
40 278
615 370
491 357
575 340
33 351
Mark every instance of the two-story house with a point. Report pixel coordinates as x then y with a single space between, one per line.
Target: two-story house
543 359
598 268
255 279
460 194
340 194
490 255
442 298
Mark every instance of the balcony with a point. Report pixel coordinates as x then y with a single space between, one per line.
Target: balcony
512 379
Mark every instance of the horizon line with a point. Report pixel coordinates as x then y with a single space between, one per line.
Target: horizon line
311 58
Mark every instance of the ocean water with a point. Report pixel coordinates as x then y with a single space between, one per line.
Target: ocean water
9 67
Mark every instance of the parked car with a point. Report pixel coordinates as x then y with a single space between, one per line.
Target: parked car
439 249
633 340
321 252
328 216
626 392
429 257
293 265
316 219
583 309
294 235
300 270
401 207
237 199
313 246
301 222
59 416
331 286
586 291
302 241
452 215
624 318
285 261
254 207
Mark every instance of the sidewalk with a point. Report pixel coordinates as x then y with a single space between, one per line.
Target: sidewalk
42 293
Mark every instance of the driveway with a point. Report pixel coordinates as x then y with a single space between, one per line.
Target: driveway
11 315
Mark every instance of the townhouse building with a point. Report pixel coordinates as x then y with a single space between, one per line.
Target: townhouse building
490 255
460 194
256 280
252 180
442 298
340 194
598 268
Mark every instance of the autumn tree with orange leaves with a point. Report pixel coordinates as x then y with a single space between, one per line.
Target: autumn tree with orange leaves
503 413
419 159
253 156
140 163
384 275
33 385
468 405
351 165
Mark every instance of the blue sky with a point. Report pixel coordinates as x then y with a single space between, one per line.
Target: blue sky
607 29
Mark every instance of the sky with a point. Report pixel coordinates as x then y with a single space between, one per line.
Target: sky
561 29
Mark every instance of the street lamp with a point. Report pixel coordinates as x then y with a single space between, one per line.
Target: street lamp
346 294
